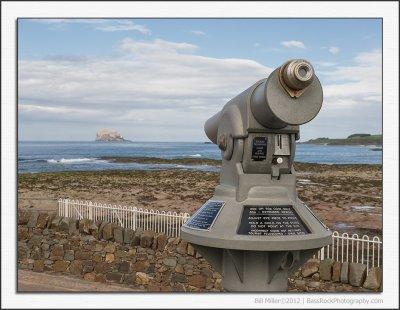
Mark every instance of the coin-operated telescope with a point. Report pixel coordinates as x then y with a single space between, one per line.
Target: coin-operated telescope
254 230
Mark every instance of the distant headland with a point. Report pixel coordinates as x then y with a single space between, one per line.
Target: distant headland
354 139
106 135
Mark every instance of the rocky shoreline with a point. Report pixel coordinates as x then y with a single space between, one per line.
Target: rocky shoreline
348 198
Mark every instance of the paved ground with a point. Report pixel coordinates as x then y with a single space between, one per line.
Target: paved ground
29 281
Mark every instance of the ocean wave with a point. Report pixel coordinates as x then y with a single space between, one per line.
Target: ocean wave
24 158
75 160
196 167
32 160
195 155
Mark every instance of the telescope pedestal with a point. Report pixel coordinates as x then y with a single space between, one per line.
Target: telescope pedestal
232 236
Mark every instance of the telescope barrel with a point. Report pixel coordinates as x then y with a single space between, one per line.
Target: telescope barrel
291 95
211 127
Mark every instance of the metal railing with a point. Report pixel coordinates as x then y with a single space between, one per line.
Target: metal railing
353 249
168 223
344 248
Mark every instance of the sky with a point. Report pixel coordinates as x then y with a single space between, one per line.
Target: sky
161 79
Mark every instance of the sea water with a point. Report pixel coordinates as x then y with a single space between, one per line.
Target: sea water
87 156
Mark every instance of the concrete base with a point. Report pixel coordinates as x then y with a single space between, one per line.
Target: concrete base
255 271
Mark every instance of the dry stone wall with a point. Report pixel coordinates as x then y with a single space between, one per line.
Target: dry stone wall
331 276
105 252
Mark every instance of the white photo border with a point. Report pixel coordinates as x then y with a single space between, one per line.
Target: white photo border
351 9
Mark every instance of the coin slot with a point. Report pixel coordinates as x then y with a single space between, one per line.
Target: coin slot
282 144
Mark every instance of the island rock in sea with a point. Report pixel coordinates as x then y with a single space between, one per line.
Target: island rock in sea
106 135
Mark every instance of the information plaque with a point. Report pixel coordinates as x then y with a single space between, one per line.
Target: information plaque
271 221
205 217
259 150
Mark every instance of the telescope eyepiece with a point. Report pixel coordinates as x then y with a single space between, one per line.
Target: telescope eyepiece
297 74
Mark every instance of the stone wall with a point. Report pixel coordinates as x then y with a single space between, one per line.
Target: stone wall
105 252
332 276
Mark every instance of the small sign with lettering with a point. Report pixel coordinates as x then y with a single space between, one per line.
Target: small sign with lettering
259 150
271 221
205 217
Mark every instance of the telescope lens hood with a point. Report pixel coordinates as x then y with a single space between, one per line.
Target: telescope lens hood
298 74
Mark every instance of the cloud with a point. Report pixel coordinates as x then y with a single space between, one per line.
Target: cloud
352 98
148 49
256 44
357 83
198 32
293 44
152 84
333 50
42 112
160 89
105 25
124 26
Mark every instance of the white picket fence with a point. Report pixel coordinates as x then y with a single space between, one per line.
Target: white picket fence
168 223
354 249
344 248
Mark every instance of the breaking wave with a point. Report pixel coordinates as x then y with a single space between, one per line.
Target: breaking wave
74 160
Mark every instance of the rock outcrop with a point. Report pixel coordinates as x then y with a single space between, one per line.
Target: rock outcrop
106 135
